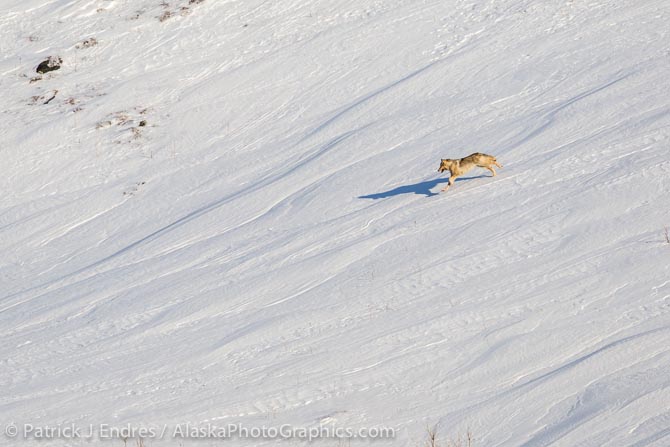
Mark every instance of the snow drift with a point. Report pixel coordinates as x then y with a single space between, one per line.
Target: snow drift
227 212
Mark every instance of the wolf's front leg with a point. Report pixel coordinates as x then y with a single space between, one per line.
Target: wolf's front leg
452 179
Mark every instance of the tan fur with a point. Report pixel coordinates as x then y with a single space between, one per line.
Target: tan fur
461 166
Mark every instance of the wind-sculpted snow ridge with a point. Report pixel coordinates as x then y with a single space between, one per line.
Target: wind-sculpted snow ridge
228 212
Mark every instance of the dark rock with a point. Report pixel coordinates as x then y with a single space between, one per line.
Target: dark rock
50 64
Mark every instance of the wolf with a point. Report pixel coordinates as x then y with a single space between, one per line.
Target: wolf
463 165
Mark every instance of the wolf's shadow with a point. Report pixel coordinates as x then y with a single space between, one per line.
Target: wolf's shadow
421 188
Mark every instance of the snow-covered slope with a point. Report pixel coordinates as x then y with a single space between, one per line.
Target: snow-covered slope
269 247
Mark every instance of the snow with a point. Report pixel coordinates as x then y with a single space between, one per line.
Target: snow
271 247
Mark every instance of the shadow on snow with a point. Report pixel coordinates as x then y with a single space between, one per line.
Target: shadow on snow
421 188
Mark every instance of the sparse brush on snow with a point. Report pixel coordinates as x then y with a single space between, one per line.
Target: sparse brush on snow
124 117
183 10
466 440
87 43
138 442
667 235
43 99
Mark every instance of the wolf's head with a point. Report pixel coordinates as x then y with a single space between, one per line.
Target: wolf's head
445 165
